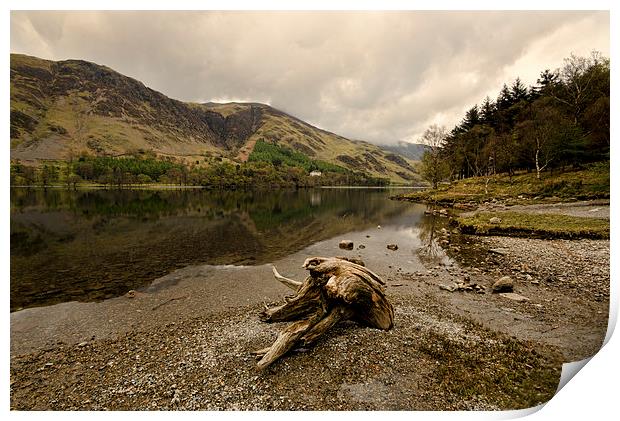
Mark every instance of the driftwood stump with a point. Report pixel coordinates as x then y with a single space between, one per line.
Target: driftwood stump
336 289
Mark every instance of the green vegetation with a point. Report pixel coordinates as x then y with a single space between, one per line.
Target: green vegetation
590 182
534 225
293 170
508 373
107 169
561 122
58 113
279 155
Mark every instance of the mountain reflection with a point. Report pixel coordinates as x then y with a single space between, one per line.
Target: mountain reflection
97 244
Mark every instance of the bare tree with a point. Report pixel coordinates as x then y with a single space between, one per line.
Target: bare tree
578 78
434 167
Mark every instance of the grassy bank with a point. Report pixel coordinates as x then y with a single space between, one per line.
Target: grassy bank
533 225
591 182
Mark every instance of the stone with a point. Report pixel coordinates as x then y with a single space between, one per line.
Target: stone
501 252
503 284
443 212
130 294
82 344
346 245
392 247
361 246
495 220
514 296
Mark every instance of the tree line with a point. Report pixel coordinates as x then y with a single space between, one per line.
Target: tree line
561 121
122 172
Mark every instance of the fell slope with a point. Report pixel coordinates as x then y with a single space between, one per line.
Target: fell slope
66 108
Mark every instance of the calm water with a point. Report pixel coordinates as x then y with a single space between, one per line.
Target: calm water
98 244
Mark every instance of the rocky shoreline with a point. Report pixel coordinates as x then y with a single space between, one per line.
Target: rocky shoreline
467 349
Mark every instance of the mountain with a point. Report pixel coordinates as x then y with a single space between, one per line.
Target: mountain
62 109
413 151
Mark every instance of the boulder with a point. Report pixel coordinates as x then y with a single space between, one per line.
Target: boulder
393 247
495 220
503 284
346 245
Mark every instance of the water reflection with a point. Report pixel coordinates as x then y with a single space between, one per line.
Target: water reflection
430 227
428 233
92 245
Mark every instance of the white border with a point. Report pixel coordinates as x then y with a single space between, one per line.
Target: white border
592 393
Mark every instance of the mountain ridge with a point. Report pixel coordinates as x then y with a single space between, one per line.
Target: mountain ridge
63 109
413 151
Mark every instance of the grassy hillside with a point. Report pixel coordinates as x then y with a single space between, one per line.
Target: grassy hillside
65 109
319 144
590 182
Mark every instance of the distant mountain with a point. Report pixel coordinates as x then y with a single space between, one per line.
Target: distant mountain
61 109
413 151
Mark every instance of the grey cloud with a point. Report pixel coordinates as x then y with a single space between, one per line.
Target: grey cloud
377 76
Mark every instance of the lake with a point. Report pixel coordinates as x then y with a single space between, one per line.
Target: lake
92 245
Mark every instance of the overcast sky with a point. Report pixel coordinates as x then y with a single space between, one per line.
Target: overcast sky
375 76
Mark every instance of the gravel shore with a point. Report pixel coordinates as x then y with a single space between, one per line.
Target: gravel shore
465 349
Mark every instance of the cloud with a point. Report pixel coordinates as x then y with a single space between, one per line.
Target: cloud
377 76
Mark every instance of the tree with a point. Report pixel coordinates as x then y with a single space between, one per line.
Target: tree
472 117
143 179
487 112
544 136
518 91
504 99
48 174
579 76
73 180
476 150
29 175
85 169
507 153
564 119
107 177
546 83
434 167
118 176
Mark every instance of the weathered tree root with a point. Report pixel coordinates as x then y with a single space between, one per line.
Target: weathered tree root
336 290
